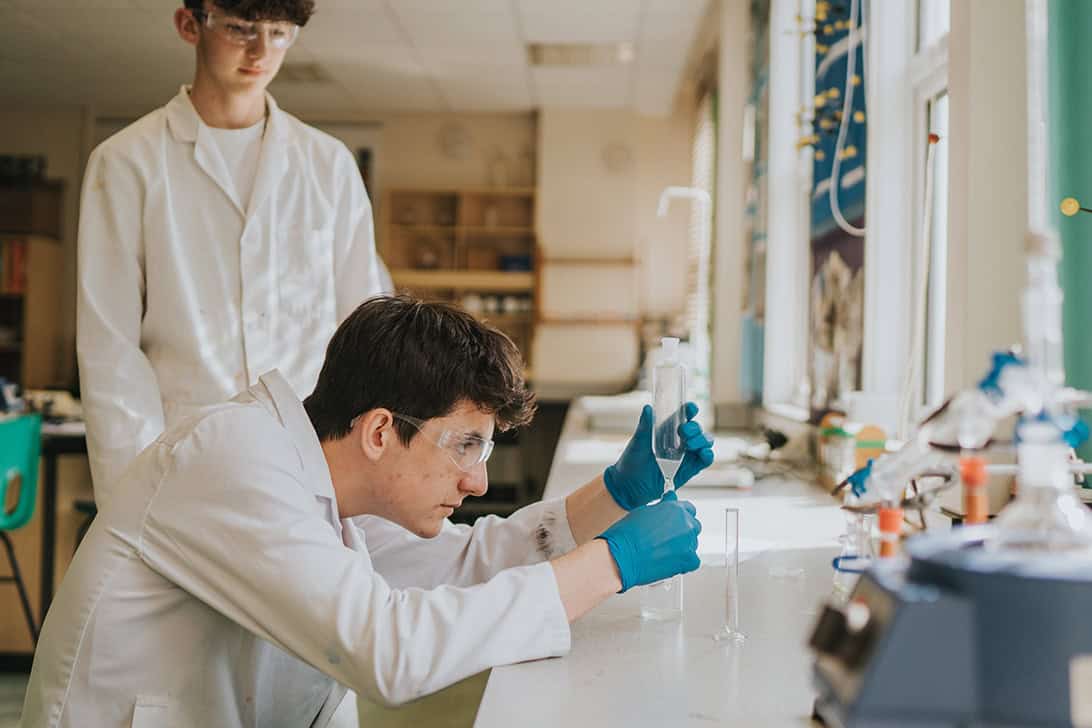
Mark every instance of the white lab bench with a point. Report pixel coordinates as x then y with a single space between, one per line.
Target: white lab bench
624 671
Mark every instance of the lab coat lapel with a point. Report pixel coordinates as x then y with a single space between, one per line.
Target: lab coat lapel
186 126
295 419
273 162
209 159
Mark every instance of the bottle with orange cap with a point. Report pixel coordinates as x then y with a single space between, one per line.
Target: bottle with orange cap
972 471
890 519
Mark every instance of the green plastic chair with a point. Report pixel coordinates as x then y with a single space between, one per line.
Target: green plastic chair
20 446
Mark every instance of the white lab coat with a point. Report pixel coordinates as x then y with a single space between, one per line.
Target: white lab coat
221 589
185 297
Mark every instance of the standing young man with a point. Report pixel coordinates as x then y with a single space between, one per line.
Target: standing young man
219 238
229 583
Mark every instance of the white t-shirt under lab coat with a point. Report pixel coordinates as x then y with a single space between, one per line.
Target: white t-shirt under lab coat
220 588
240 150
188 291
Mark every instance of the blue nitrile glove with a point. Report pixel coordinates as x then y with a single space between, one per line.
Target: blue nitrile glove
858 482
636 479
655 542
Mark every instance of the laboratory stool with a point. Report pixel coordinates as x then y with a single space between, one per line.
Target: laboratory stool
20 445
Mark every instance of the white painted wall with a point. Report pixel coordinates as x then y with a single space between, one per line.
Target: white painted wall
599 181
585 209
412 155
988 199
728 271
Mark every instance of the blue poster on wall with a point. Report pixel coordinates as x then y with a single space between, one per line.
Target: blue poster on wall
839 141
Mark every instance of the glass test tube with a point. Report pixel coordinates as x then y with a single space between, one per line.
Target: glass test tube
729 631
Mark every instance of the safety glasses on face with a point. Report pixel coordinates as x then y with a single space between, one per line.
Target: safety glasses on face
465 450
277 33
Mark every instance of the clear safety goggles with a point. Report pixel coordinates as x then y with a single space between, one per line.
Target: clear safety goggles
279 34
465 450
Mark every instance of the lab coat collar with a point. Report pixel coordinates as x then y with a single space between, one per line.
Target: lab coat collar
186 126
184 121
294 417
273 163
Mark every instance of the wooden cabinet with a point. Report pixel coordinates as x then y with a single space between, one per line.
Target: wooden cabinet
31 270
32 207
31 353
473 246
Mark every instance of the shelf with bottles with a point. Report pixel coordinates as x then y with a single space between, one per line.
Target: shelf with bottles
464 280
472 216
483 211
471 246
468 231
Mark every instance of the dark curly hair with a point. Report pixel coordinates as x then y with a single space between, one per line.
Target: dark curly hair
295 11
420 359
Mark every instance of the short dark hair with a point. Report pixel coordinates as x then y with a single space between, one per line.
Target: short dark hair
295 11
420 359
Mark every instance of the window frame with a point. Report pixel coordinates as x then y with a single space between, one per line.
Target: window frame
900 83
929 81
789 203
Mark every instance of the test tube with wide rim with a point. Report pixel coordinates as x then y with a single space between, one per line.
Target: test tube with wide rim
664 599
729 631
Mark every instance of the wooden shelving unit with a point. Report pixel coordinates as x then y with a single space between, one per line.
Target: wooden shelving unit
464 280
474 246
31 353
31 264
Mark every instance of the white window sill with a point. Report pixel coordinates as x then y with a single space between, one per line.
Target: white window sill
787 411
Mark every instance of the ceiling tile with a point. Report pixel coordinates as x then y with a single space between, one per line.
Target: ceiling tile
80 5
506 56
579 21
457 29
391 60
351 28
477 95
165 9
668 30
303 98
659 27
380 89
654 92
481 76
582 88
467 8
663 55
363 6
383 54
23 39
691 10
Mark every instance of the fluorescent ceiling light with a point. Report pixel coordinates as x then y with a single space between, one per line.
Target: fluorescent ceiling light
580 54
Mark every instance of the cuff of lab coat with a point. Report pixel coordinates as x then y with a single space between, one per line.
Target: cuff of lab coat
553 534
556 634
